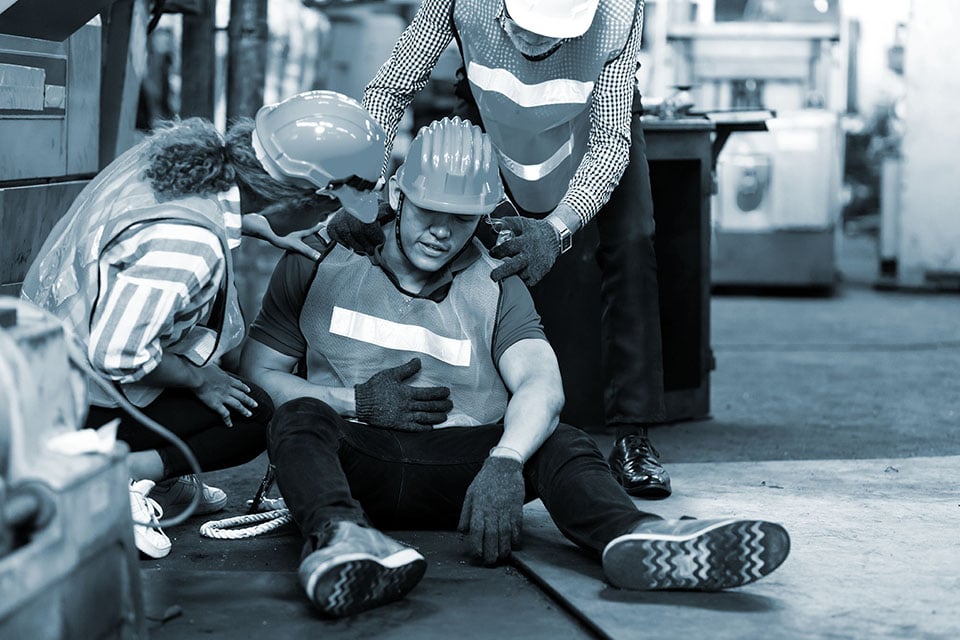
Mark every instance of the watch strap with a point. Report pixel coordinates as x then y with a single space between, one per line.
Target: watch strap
563 233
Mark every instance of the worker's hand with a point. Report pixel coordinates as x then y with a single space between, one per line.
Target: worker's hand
386 400
294 242
359 237
493 509
531 251
224 393
257 226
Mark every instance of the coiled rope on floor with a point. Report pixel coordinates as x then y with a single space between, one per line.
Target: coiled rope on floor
227 529
270 513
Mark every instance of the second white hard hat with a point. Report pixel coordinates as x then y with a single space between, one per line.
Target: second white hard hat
553 18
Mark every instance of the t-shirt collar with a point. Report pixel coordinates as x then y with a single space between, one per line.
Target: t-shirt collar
438 284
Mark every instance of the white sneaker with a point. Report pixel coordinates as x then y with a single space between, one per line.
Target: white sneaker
145 511
175 494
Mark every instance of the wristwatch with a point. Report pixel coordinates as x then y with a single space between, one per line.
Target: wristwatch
563 232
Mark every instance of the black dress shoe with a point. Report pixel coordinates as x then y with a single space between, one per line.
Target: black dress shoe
635 466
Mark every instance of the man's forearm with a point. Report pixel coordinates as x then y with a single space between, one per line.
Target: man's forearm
532 416
284 387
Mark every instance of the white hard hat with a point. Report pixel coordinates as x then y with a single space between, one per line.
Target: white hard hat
451 167
324 140
553 18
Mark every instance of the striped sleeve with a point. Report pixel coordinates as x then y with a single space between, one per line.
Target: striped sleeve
609 147
408 68
158 281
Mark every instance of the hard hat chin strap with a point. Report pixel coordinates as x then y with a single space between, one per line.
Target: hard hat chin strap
396 228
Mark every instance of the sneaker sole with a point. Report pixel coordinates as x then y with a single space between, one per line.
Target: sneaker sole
355 584
150 550
728 554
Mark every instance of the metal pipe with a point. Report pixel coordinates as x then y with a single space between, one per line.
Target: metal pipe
247 55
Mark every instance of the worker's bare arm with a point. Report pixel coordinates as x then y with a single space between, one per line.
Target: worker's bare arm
531 374
273 371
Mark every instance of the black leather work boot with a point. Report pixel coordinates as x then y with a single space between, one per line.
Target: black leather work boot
635 464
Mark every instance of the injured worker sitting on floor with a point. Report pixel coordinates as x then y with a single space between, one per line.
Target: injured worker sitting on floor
414 392
140 271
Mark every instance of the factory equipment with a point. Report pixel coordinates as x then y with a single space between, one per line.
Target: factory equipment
68 565
49 120
777 206
920 228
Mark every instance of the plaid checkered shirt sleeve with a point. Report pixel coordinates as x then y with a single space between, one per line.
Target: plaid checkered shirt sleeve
408 68
608 151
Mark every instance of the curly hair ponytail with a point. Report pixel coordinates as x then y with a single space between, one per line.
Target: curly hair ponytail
239 150
188 158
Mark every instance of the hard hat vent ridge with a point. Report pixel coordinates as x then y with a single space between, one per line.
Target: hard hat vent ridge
451 168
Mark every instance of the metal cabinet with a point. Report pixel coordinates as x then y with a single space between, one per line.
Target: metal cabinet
49 128
679 153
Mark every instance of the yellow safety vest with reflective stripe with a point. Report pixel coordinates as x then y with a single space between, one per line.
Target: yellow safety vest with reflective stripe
357 323
537 112
65 278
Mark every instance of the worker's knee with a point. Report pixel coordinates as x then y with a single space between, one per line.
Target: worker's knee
302 415
568 441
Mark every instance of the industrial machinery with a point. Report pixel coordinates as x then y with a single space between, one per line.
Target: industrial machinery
920 228
68 564
778 193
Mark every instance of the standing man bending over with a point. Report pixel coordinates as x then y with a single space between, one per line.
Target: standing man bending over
429 399
553 84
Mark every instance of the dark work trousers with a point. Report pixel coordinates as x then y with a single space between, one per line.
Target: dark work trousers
331 470
631 350
215 445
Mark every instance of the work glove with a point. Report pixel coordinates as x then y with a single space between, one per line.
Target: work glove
385 400
531 251
493 509
359 237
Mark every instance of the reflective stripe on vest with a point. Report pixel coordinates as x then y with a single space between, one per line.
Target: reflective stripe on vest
357 323
557 91
402 337
533 172
64 279
538 112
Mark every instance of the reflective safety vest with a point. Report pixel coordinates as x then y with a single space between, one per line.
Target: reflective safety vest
537 112
65 277
357 323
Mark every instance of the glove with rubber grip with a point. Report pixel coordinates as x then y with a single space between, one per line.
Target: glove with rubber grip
531 251
385 400
493 509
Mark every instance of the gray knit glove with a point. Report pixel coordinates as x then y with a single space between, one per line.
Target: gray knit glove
385 400
359 237
531 251
493 509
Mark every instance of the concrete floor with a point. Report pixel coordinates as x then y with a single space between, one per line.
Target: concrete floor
836 416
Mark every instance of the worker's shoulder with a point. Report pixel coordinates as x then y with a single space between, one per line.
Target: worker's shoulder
612 25
619 9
